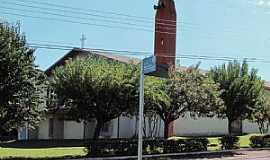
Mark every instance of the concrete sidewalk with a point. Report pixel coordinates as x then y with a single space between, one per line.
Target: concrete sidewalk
241 154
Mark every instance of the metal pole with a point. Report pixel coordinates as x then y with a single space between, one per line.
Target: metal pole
140 139
26 132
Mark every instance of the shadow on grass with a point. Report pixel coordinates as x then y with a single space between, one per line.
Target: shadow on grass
39 144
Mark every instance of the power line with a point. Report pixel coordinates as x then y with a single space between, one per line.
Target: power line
83 18
145 53
183 53
78 12
85 23
78 22
75 17
196 26
94 24
110 21
86 11
53 42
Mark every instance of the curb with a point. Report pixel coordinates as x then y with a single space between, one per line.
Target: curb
186 155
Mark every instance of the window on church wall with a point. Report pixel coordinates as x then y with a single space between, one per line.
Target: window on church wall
162 41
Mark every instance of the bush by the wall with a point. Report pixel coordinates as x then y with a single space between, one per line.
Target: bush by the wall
128 147
266 140
229 142
257 141
260 141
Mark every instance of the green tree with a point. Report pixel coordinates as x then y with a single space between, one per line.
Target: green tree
261 114
183 92
242 90
21 84
97 88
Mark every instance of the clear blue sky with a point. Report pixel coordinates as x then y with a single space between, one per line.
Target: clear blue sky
237 28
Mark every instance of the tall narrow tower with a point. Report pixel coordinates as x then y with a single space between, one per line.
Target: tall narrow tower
165 33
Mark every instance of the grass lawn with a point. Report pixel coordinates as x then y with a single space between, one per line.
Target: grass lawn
243 140
41 153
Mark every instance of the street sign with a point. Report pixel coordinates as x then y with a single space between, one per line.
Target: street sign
149 64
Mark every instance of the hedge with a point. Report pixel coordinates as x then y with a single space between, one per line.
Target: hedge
260 141
128 147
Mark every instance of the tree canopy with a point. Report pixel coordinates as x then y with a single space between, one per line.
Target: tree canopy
97 88
21 83
183 92
261 114
242 90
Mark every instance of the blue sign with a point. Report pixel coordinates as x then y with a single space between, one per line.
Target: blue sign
149 64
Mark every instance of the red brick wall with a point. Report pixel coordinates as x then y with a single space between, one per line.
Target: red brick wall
165 33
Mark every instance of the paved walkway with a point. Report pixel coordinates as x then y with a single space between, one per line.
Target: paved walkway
243 155
231 155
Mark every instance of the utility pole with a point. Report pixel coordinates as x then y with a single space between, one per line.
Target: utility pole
141 108
148 65
83 39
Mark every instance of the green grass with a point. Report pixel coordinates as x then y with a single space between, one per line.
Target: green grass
42 153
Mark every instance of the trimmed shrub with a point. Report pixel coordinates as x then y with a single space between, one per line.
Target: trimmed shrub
260 141
229 142
266 140
128 147
257 141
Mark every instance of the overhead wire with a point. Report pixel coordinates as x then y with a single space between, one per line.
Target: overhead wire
110 13
131 17
85 23
145 53
78 12
160 26
69 16
134 27
65 9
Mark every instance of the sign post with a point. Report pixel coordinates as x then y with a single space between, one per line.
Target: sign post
148 65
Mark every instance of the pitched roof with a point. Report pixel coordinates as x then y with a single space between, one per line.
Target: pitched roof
267 85
86 52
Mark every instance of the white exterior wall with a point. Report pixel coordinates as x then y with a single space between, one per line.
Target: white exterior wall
182 127
201 126
126 127
73 130
43 131
250 127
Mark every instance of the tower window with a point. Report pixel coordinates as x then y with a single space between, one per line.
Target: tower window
162 41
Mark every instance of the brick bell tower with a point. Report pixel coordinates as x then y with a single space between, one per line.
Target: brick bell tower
165 34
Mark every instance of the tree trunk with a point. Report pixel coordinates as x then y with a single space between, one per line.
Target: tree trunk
230 122
97 129
1 133
94 149
166 129
235 127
